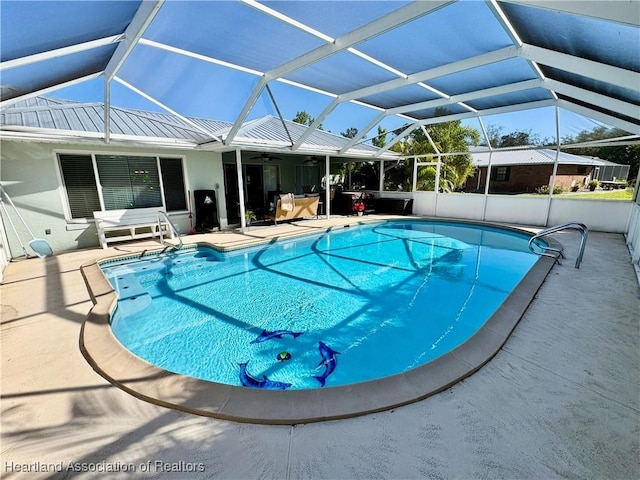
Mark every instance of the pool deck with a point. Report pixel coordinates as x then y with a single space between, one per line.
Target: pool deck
560 399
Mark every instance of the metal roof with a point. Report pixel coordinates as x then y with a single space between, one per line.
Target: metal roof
534 157
419 61
42 114
46 115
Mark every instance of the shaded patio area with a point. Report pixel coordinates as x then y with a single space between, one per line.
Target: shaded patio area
561 398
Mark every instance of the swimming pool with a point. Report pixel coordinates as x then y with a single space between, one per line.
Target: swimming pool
345 306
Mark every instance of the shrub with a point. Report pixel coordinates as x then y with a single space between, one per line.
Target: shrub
593 184
544 190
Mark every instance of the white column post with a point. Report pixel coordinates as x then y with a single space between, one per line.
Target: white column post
414 181
555 167
488 176
327 186
243 220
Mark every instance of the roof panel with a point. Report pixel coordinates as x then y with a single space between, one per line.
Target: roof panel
437 112
492 75
46 119
46 25
431 37
207 84
72 119
603 109
613 91
515 98
37 76
232 32
341 73
335 18
89 119
600 41
400 96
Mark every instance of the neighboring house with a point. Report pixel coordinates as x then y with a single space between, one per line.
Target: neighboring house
58 169
521 171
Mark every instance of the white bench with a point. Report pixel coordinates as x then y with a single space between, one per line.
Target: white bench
130 224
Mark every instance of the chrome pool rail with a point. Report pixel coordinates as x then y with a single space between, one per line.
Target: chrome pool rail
582 228
161 215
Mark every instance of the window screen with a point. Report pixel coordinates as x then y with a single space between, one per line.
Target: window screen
80 184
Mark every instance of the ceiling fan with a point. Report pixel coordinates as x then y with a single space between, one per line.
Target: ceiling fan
265 157
312 160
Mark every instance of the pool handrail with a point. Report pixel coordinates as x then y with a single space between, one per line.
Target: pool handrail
163 215
582 228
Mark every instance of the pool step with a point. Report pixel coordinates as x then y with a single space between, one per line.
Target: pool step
132 305
127 286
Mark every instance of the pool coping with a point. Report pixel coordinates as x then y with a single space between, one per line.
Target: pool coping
109 358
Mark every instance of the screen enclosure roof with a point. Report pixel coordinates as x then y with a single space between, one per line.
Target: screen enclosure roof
397 65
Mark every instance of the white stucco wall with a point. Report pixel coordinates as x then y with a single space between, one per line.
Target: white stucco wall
633 235
516 209
29 171
468 206
597 215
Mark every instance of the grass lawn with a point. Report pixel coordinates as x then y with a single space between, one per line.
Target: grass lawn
626 194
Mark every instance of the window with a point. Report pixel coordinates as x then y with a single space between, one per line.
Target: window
124 181
173 183
129 182
80 183
500 174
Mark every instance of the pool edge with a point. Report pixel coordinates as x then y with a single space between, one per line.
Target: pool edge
120 367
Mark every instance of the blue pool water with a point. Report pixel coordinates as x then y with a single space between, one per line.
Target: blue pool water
341 307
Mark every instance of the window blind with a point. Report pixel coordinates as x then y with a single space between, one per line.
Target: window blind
80 183
129 182
126 182
173 184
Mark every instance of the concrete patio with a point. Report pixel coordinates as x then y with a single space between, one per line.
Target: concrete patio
560 400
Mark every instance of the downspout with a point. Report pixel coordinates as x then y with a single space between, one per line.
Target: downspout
243 220
555 167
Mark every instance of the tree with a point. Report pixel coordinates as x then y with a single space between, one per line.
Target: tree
622 154
380 140
304 118
514 139
350 132
448 137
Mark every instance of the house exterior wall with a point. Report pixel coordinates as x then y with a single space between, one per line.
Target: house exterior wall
527 178
568 174
30 174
